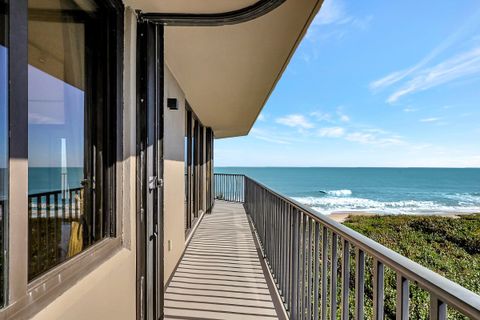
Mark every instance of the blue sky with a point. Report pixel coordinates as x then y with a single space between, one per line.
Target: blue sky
374 83
53 115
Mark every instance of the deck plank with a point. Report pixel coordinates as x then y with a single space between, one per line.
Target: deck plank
220 275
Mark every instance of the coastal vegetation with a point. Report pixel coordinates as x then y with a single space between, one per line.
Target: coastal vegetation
449 246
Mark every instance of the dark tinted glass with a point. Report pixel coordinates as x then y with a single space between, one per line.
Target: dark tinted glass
3 140
67 101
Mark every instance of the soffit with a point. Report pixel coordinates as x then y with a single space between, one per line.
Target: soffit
228 72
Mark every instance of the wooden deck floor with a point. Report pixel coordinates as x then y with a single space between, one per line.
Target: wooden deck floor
221 275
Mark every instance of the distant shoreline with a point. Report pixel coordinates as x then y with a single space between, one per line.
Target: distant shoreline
333 167
342 216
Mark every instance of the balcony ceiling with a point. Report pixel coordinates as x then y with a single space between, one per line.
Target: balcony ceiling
228 72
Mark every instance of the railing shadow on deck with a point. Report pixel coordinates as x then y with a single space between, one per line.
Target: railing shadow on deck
324 269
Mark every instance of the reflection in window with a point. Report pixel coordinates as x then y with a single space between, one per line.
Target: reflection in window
186 154
66 132
3 142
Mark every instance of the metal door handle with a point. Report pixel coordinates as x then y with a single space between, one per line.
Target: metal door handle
154 183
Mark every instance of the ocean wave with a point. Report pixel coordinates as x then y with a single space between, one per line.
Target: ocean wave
465 198
328 205
339 193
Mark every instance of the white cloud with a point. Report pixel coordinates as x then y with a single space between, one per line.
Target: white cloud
409 109
461 65
341 115
335 12
261 117
331 12
432 119
295 121
369 137
334 15
268 136
450 41
361 137
331 132
324 116
45 118
321 116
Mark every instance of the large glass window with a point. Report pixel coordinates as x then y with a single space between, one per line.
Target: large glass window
3 141
188 170
69 151
196 183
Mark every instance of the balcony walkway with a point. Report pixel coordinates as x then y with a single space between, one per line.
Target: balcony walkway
221 275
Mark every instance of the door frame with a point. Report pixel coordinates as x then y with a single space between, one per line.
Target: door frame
149 221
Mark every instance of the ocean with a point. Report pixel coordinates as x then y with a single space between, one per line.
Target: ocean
44 179
376 190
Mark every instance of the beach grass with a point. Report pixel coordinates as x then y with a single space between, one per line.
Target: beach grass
449 246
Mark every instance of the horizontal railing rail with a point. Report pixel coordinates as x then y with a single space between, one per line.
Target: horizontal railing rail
230 187
310 257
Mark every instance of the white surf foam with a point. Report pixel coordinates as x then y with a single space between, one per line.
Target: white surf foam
327 205
339 193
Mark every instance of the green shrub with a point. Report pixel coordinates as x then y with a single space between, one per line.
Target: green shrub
449 246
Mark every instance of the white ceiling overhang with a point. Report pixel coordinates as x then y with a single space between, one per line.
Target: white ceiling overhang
228 72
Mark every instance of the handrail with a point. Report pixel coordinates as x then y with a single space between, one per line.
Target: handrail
48 193
286 230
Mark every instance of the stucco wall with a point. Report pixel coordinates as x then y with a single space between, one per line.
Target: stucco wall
174 175
109 292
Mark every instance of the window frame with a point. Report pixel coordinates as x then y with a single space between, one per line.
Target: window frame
198 188
26 298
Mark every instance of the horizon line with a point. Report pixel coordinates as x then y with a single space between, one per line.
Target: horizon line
348 167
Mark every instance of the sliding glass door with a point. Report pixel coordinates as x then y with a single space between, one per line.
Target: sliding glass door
198 168
150 251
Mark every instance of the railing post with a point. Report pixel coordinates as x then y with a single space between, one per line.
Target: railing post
294 286
438 309
402 297
333 278
316 273
359 284
324 271
309 273
304 264
378 290
345 279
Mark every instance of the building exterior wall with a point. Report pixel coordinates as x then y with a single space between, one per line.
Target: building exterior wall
174 175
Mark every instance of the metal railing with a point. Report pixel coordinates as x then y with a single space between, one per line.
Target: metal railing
310 257
48 215
230 187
